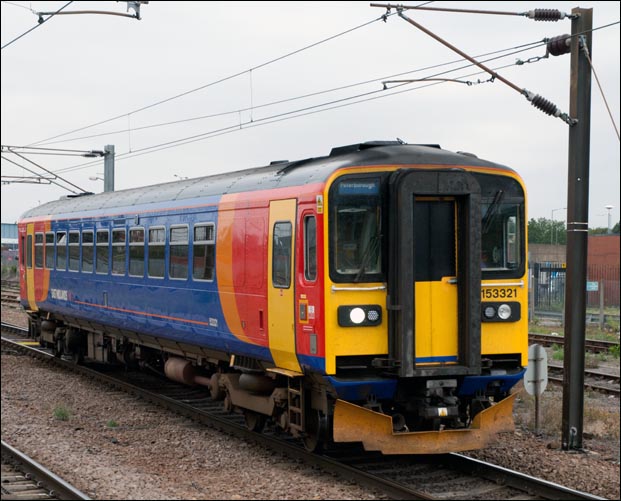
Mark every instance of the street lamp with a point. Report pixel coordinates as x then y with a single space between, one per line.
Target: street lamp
609 208
552 229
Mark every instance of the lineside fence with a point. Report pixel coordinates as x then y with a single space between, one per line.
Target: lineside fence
547 288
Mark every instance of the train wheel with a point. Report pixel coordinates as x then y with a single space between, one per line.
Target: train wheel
254 420
315 428
58 348
216 392
78 356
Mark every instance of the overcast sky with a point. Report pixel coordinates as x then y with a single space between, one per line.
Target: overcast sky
77 70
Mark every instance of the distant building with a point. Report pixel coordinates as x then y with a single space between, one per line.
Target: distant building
547 253
603 267
9 236
9 245
604 250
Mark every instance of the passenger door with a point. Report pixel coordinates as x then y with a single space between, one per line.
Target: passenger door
281 284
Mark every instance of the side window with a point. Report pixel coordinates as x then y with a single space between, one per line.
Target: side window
102 249
281 256
136 252
61 250
310 248
203 263
87 251
512 242
157 241
179 246
29 252
49 250
38 250
74 251
118 252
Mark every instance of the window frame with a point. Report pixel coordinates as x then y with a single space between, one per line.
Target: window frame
278 285
39 251
178 244
50 255
98 246
63 247
207 243
116 245
83 246
307 277
73 245
156 244
136 244
29 253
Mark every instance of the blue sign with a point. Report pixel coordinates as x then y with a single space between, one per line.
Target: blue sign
592 286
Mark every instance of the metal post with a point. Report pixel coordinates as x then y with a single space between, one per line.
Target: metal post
602 317
109 167
577 230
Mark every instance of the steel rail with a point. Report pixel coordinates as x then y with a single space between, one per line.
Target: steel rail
56 486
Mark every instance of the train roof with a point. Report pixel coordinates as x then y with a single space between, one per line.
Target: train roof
279 174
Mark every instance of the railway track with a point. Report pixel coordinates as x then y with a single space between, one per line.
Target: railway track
592 345
10 293
24 478
449 476
593 379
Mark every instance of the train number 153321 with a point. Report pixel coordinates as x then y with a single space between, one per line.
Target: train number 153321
499 293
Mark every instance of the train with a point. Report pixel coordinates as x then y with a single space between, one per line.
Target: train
376 295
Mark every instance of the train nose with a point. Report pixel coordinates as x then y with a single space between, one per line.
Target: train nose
353 423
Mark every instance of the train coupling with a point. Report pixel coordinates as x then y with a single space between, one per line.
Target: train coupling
353 423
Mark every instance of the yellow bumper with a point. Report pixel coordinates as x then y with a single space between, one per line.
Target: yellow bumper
353 423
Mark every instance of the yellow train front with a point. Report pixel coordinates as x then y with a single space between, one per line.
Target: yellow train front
374 295
425 300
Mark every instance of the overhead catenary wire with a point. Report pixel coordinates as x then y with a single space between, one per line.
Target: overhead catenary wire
216 82
274 119
240 125
56 176
40 150
516 49
537 100
368 96
585 50
51 180
37 25
18 5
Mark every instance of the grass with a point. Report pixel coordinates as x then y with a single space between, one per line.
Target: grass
557 352
112 424
601 420
62 413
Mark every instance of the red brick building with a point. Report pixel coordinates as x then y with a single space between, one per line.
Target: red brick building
603 266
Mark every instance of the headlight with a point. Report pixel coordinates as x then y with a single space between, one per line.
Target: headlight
489 312
500 312
504 312
360 315
357 316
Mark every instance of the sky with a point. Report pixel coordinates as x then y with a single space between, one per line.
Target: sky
246 83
